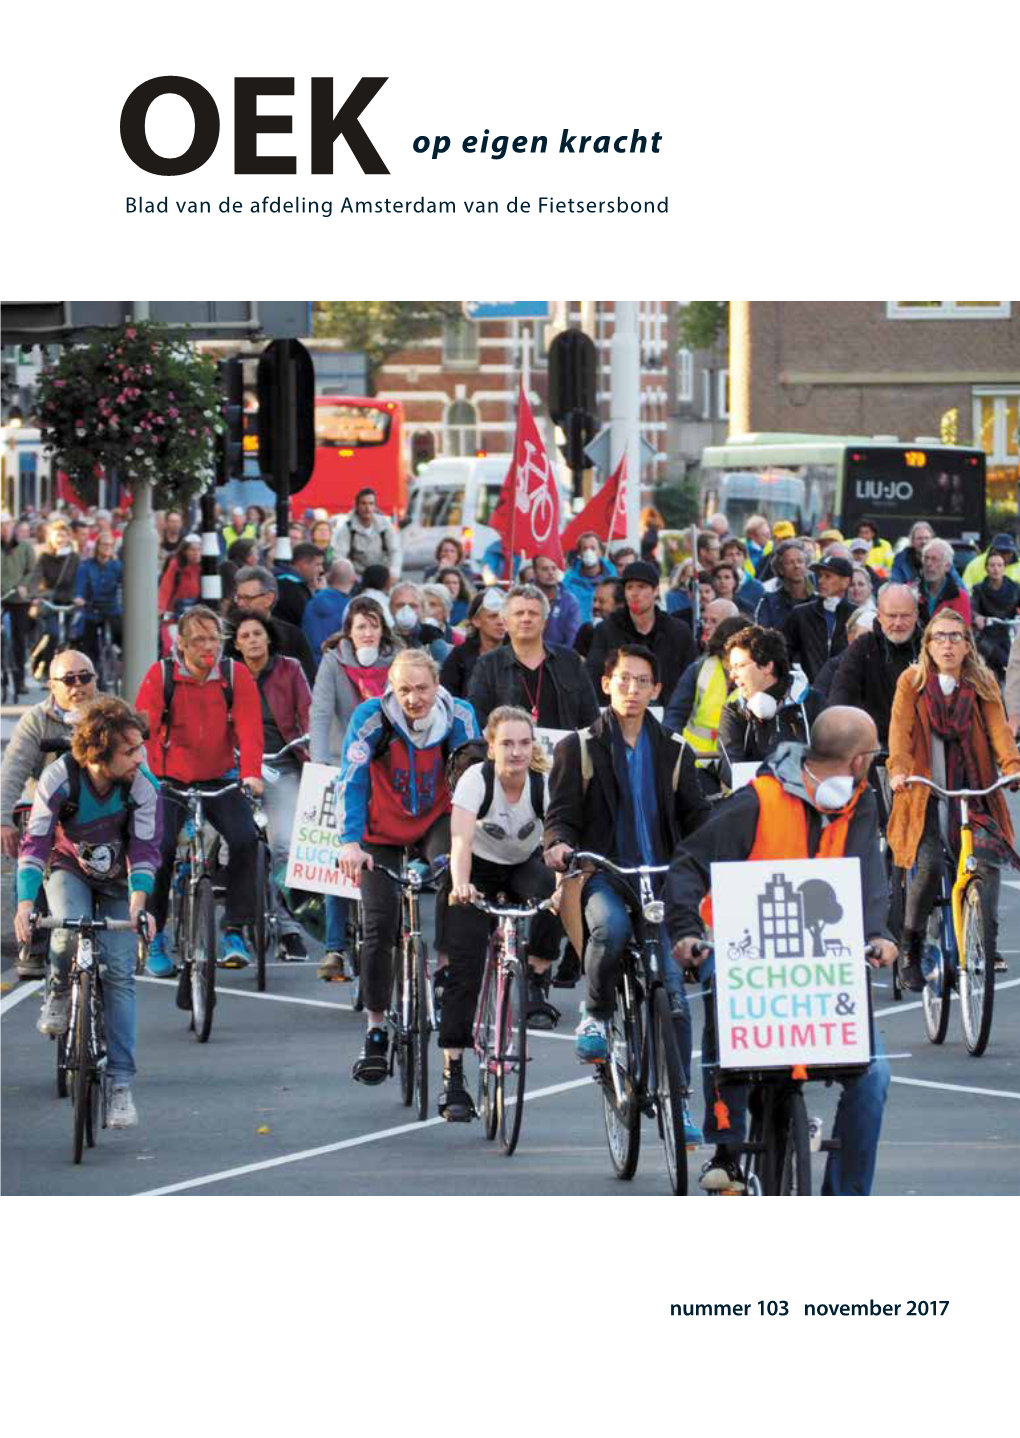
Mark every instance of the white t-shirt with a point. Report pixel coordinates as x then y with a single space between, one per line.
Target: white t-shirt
511 818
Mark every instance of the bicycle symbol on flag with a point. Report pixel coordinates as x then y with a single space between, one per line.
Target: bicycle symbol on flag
538 499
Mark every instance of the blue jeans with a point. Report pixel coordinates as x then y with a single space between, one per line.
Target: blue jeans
850 1169
69 897
337 911
607 920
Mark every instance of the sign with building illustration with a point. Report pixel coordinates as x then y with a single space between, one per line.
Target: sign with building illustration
315 841
790 971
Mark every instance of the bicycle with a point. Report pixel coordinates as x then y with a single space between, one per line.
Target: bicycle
109 661
643 1073
265 928
10 678
953 955
413 1017
81 1052
194 911
781 1137
501 1021
896 877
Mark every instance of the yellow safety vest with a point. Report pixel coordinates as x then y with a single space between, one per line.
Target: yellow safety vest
702 729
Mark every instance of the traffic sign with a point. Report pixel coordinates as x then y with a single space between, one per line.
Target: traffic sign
506 309
598 450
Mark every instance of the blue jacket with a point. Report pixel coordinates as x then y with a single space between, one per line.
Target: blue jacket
564 619
323 616
99 585
582 586
408 797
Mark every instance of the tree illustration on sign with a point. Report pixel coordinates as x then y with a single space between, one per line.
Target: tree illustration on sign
820 908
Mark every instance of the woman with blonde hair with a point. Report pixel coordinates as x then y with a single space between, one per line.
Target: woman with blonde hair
948 725
496 831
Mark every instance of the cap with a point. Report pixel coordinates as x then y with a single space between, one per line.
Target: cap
830 536
493 599
641 572
783 529
861 546
1003 544
835 564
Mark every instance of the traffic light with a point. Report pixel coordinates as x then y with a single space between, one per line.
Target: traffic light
573 398
286 385
230 444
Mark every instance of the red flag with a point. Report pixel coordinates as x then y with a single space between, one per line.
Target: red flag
528 513
605 514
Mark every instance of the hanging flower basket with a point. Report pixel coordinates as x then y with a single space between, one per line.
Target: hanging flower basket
136 401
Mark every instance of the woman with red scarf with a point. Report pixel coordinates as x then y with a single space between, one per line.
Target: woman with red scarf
948 724
355 667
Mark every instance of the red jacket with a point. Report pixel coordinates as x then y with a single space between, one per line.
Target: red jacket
202 740
289 698
179 582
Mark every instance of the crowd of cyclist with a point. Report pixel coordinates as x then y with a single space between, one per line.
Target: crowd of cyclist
804 658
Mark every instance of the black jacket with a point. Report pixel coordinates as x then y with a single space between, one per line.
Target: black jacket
671 641
742 737
291 642
729 836
807 634
459 664
292 597
868 673
496 679
586 819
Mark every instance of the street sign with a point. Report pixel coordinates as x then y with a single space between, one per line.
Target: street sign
599 449
506 309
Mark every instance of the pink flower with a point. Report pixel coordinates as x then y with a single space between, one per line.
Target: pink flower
130 334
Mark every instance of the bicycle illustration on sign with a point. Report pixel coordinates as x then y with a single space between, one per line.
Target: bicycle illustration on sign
538 500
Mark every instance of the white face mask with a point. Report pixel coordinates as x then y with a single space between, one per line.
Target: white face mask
366 654
834 793
589 558
405 617
763 706
947 684
832 604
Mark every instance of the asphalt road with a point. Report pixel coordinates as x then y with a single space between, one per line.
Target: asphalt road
268 1105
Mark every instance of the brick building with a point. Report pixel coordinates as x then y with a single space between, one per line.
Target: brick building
890 367
459 386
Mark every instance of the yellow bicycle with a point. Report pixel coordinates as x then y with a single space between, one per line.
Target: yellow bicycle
954 953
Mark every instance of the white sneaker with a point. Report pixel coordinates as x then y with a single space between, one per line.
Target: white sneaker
121 1112
53 1018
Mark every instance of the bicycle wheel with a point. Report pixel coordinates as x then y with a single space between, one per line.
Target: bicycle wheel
669 1091
421 1028
203 959
936 995
512 1058
977 974
795 1147
82 1070
755 1166
402 1037
62 1047
622 1119
260 923
485 1049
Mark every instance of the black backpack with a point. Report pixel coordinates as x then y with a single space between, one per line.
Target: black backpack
69 807
170 684
476 751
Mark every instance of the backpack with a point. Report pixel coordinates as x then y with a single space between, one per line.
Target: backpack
170 684
588 768
475 751
69 807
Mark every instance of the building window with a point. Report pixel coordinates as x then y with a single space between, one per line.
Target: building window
947 309
723 394
461 428
995 424
685 376
460 342
706 394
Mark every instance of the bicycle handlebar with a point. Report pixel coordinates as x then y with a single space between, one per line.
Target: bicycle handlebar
294 744
411 879
579 856
190 794
497 911
113 925
1000 783
57 608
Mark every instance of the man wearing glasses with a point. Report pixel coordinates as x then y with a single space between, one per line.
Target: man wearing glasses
42 734
641 796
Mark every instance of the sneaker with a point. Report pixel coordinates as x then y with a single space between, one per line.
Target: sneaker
1001 966
455 1103
53 1018
159 963
29 965
722 1174
910 975
233 954
372 1064
121 1112
292 947
693 1136
333 966
592 1047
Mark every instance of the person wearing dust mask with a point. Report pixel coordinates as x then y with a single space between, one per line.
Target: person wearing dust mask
589 570
948 725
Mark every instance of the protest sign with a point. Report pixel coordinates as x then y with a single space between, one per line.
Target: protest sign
742 773
790 972
547 739
315 840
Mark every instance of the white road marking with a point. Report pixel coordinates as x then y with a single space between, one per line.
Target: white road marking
335 1147
959 1088
903 1008
21 992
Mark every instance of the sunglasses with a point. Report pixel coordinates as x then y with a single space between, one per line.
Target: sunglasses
82 677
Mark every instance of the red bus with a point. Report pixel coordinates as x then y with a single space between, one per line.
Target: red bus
359 444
